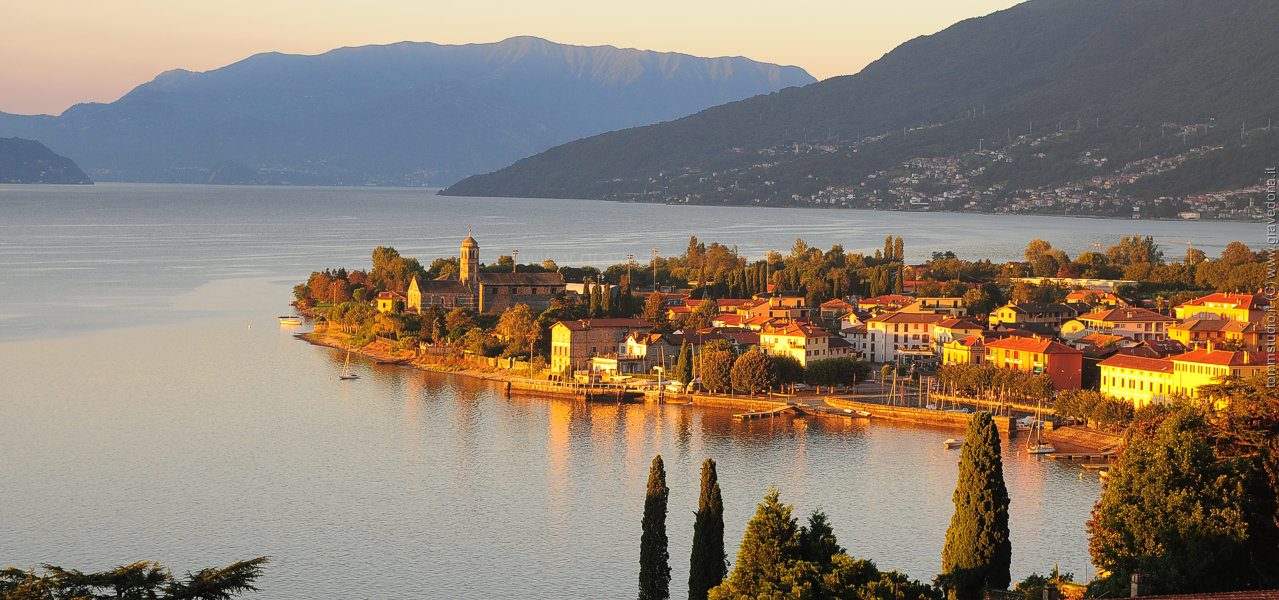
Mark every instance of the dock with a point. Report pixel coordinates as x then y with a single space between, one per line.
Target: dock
768 414
1084 456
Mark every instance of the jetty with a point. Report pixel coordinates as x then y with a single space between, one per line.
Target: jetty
768 414
1084 456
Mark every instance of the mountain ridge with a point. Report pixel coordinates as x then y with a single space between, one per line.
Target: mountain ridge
284 109
1126 75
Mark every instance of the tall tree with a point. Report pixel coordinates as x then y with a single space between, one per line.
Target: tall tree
709 562
753 372
655 567
684 364
717 368
1189 506
655 313
977 554
899 249
771 542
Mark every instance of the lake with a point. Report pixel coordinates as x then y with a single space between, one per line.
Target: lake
151 408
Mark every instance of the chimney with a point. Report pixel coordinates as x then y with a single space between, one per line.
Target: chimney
1140 587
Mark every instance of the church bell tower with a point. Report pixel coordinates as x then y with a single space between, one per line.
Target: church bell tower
469 261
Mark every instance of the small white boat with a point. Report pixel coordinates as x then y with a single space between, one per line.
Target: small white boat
290 319
1040 449
952 443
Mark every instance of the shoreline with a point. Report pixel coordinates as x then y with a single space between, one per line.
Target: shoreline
1074 439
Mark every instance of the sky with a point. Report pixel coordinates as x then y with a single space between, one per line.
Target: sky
57 53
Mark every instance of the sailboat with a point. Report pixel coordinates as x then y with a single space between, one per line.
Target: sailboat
1035 442
347 373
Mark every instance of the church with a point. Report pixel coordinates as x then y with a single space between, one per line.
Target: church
484 292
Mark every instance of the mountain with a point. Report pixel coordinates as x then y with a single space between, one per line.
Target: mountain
399 114
29 161
1046 93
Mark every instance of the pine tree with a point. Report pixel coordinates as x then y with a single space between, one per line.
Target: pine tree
977 554
709 562
655 313
768 549
655 567
684 365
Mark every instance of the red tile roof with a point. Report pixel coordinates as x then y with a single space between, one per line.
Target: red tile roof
1025 344
1223 358
1125 315
1124 361
909 317
959 324
1244 595
793 329
1245 301
837 304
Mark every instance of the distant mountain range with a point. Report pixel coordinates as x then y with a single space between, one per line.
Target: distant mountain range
1046 93
400 114
29 161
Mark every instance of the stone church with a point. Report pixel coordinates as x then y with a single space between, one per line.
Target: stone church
484 292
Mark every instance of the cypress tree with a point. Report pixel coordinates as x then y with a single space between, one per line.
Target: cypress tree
606 301
709 562
978 553
595 301
655 567
684 365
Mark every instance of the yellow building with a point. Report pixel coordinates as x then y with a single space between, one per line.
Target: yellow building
389 302
803 341
1138 379
964 351
1145 380
1246 308
1201 367
573 343
1217 332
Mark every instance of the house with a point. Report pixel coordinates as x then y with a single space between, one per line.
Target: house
483 292
964 351
390 302
804 341
835 309
892 336
573 343
1200 332
1246 308
1094 298
950 306
884 303
1038 356
1134 323
952 329
777 306
1040 317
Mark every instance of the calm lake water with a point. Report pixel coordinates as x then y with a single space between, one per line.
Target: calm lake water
152 409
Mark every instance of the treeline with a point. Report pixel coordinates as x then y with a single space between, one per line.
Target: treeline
146 579
1192 504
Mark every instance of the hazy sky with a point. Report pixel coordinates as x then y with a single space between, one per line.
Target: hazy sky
59 52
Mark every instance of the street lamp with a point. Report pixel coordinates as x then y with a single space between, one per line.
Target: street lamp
514 255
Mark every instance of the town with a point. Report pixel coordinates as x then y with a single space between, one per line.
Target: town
1121 326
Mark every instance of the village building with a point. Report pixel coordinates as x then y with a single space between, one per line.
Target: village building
1038 356
1045 318
1246 308
804 341
1217 333
574 343
964 351
484 292
389 302
1105 285
885 303
948 330
1147 380
832 310
1134 323
1137 379
948 306
1095 298
898 335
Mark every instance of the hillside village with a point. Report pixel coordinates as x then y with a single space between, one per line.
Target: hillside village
1139 341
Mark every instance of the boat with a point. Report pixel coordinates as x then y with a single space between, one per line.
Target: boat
1035 442
861 414
952 443
347 373
290 319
